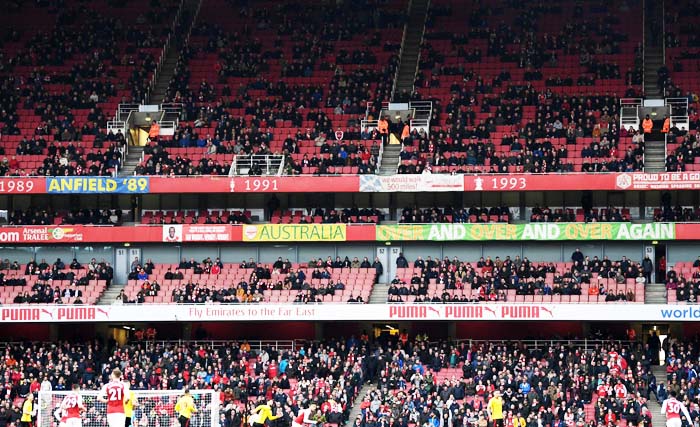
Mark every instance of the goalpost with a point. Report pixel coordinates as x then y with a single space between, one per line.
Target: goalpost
156 408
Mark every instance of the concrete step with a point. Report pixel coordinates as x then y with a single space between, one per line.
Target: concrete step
356 409
380 294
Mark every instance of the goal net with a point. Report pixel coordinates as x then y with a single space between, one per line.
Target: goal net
155 408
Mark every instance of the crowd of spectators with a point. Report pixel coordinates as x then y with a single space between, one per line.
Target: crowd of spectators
56 283
256 87
685 285
61 82
533 148
450 385
327 374
353 215
33 216
546 214
686 150
311 282
490 279
474 214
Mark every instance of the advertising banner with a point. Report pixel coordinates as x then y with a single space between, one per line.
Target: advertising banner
16 185
179 233
527 232
351 184
255 184
295 233
351 312
658 181
197 233
411 183
97 185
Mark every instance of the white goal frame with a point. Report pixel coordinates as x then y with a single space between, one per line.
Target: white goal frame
48 401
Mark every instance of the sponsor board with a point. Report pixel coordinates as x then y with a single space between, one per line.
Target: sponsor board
352 184
349 312
196 233
178 233
411 183
528 232
295 233
97 185
48 313
42 234
658 181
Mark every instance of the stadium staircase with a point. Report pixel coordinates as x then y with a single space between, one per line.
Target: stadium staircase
655 293
657 420
655 153
187 20
380 294
110 295
131 160
654 144
183 28
410 47
356 407
390 159
653 49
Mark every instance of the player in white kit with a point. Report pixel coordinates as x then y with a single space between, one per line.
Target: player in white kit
673 409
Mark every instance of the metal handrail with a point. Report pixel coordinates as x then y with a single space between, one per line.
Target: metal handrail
256 345
587 344
403 41
663 32
268 163
422 36
644 43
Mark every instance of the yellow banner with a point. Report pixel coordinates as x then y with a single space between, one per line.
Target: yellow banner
295 233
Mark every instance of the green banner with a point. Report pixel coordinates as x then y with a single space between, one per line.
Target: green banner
524 232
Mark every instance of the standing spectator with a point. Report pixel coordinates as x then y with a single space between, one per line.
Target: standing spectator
383 128
577 256
154 131
647 268
378 269
401 261
661 266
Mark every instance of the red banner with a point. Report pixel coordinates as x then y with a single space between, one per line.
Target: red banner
268 184
689 231
374 183
168 233
13 185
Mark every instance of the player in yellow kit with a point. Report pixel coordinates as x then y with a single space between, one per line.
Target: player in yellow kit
263 413
27 411
495 409
129 406
185 407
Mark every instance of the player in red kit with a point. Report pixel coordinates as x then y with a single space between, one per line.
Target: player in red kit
114 394
673 409
72 407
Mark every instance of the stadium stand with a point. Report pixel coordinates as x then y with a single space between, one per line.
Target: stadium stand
352 215
519 280
514 100
281 89
65 74
327 374
683 282
461 385
613 383
212 281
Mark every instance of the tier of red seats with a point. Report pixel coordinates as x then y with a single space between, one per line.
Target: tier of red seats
357 281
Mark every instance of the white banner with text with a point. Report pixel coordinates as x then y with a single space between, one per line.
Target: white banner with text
130 313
